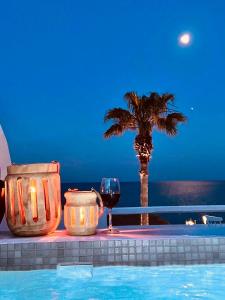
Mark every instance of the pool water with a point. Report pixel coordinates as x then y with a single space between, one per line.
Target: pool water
118 282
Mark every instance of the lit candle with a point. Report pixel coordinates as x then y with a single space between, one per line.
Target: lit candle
92 215
72 216
190 222
3 193
33 197
204 219
81 216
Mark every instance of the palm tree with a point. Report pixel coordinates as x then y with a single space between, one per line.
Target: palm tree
144 114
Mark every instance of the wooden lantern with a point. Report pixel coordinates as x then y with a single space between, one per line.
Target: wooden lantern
81 212
33 198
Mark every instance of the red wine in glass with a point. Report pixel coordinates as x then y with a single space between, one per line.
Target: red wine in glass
110 193
110 200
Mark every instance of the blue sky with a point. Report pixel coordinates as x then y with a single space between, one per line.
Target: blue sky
65 63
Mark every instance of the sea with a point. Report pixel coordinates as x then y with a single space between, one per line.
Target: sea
165 193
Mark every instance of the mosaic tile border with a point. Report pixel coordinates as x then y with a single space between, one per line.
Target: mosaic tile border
145 252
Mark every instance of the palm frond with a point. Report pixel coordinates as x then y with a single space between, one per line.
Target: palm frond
118 114
160 123
122 117
168 126
171 129
143 114
177 117
167 97
115 129
132 100
169 123
153 105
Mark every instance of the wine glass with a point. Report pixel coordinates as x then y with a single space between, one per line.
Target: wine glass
110 193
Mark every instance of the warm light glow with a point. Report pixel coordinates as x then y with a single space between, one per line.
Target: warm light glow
190 222
33 198
185 39
20 201
81 216
46 197
72 216
3 193
204 219
12 202
92 215
32 189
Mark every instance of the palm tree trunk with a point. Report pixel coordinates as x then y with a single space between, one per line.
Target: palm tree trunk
144 191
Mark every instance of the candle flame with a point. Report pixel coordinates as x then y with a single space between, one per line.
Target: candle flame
82 216
33 198
32 189
190 222
204 219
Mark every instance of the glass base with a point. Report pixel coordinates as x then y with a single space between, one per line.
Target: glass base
111 231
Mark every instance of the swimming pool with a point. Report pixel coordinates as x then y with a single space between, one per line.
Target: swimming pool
117 282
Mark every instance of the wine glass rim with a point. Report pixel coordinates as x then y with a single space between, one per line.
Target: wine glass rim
78 191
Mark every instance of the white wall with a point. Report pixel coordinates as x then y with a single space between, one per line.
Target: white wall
5 161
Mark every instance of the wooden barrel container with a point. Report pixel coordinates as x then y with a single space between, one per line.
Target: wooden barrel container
81 212
33 198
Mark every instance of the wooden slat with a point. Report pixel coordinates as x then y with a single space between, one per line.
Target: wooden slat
33 168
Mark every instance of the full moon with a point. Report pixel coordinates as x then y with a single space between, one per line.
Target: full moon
185 39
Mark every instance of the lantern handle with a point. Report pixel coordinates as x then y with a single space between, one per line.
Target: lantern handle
72 190
101 211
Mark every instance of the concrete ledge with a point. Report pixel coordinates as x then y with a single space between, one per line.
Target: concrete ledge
150 247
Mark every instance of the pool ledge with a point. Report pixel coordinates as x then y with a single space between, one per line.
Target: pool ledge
155 245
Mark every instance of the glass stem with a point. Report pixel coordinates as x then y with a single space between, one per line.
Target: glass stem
110 219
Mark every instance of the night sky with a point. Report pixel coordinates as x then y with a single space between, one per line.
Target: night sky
64 63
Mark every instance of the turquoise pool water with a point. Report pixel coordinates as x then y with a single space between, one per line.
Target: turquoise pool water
174 282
